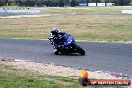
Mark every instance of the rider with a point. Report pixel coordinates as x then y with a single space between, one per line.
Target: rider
62 36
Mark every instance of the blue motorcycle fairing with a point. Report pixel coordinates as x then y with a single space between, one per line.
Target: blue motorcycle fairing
69 41
66 39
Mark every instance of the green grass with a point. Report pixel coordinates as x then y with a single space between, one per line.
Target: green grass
93 36
18 78
15 78
89 9
90 23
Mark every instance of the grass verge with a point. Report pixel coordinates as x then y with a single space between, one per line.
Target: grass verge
89 23
16 78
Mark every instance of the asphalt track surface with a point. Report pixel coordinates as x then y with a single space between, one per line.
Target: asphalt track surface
103 56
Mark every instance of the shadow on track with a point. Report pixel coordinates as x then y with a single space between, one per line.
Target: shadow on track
69 54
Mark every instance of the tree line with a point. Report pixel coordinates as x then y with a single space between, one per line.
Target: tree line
59 3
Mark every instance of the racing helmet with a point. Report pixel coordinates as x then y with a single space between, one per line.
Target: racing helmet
54 31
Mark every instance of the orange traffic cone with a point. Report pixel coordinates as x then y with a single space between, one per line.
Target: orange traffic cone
84 73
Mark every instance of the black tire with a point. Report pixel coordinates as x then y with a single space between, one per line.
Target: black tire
84 81
80 50
56 53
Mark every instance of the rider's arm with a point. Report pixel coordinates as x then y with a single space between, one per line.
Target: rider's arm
63 36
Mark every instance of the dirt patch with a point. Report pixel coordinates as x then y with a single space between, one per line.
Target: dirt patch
53 70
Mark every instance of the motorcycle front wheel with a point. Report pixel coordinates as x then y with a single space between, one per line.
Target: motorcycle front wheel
80 50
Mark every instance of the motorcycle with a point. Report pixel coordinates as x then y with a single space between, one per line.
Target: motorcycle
65 47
